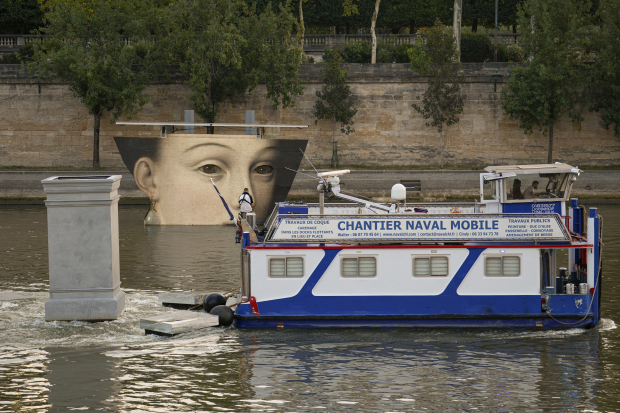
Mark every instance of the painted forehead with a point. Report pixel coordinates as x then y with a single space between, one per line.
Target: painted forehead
247 147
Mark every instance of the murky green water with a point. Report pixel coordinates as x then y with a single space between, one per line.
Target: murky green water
112 366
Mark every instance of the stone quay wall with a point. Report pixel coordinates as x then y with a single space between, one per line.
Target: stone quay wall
53 129
24 187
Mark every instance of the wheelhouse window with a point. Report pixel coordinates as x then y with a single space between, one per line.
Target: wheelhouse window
430 266
502 266
286 267
536 186
359 267
489 190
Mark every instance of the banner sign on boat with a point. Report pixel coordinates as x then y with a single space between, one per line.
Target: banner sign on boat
514 227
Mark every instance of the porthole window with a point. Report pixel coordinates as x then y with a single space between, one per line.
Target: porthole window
359 267
286 267
430 266
502 266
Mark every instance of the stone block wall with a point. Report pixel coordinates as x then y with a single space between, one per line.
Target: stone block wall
53 129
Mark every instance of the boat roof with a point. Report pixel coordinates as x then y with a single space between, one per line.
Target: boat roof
540 168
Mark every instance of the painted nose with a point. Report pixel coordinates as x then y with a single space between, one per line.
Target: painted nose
239 181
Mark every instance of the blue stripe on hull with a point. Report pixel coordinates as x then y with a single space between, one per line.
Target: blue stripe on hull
500 311
524 323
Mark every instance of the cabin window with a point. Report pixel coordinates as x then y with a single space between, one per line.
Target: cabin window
286 267
359 267
489 189
547 186
502 266
430 266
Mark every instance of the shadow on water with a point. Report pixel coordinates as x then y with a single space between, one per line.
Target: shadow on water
113 366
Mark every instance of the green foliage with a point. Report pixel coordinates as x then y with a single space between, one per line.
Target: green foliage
334 99
226 49
394 14
483 12
22 55
20 16
605 89
551 83
386 47
420 62
358 52
476 47
401 53
87 50
511 53
442 101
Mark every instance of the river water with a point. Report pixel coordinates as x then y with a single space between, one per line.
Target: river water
114 367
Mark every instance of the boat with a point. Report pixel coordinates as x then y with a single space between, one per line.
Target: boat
493 263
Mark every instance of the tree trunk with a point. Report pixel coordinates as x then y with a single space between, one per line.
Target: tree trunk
441 148
474 25
456 25
550 155
97 116
334 163
412 26
373 56
303 29
495 37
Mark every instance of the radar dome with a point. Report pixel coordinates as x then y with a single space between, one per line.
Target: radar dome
399 192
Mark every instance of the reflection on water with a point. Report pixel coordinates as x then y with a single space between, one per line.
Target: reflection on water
112 366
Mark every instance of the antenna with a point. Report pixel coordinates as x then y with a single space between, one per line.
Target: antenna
300 172
309 161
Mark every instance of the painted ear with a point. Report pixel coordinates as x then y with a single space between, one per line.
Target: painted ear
143 173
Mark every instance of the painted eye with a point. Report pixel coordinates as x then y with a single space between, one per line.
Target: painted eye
211 169
263 169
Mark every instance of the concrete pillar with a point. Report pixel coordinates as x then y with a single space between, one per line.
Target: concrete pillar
84 266
189 118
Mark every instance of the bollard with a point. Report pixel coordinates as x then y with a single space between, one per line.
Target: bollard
84 266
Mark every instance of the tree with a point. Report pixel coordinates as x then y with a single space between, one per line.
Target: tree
20 16
483 12
225 49
553 82
334 101
302 27
351 8
88 50
442 101
606 86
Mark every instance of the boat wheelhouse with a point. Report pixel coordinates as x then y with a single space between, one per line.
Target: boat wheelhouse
493 263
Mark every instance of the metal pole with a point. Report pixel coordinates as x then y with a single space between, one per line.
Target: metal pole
495 49
321 201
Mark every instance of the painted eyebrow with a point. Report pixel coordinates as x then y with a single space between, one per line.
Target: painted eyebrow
207 144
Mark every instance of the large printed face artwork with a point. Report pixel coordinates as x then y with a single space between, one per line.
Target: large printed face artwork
175 173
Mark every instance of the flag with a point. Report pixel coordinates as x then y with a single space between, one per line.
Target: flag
232 217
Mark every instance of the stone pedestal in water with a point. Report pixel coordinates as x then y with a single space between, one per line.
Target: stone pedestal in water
84 267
